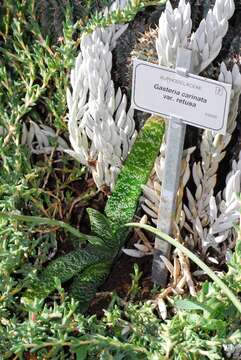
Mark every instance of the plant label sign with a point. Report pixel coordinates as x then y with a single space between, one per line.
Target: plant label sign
196 100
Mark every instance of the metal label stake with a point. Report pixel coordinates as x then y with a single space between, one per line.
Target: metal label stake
183 98
173 156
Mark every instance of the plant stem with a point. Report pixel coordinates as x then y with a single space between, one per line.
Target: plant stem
94 340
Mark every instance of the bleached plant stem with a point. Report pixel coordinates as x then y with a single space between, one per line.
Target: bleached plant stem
175 27
151 191
199 211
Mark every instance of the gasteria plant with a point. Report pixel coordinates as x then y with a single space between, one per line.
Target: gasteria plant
88 267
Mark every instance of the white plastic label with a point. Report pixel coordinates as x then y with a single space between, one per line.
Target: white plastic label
196 100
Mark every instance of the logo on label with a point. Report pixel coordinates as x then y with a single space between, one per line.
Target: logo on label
219 91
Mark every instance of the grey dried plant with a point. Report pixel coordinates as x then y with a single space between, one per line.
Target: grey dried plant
224 209
175 27
174 31
101 128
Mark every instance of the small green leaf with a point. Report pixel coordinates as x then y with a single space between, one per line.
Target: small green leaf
97 241
81 352
186 304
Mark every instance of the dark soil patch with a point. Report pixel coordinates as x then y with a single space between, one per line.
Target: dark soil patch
119 281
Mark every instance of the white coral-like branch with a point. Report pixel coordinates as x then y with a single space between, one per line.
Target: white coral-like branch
175 31
201 206
206 42
225 210
101 129
38 139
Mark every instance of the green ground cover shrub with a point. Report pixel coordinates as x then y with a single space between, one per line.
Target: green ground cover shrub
33 80
198 330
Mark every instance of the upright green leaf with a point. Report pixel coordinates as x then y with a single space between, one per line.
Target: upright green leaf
121 206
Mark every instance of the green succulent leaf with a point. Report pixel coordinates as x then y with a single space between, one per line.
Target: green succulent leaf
123 202
121 206
85 284
101 226
186 304
64 268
